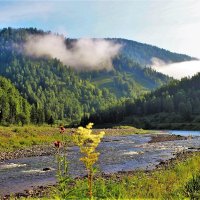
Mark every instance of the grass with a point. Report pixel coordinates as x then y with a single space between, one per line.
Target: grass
109 82
13 137
16 137
193 187
181 181
132 129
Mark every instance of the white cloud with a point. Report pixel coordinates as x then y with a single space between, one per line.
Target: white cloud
157 62
85 54
179 70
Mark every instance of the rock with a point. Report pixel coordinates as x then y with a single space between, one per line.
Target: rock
46 169
18 195
30 192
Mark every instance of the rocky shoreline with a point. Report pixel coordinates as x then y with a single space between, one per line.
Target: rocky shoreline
166 137
45 191
35 192
44 150
36 150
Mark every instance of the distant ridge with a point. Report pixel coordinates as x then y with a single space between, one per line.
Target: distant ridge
143 53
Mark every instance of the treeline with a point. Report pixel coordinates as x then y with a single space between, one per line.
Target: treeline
181 97
177 102
13 107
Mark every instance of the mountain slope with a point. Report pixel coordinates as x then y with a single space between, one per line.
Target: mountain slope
143 53
55 89
173 106
128 79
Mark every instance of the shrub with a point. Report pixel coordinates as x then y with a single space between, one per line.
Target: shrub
192 187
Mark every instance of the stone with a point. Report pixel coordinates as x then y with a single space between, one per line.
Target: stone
46 169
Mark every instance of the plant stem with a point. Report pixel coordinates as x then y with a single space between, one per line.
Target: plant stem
90 182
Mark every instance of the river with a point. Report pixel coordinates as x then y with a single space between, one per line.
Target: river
118 153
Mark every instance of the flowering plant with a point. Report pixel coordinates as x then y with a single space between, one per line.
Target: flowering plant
88 142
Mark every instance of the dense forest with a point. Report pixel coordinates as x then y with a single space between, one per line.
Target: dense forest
56 91
170 106
13 107
128 79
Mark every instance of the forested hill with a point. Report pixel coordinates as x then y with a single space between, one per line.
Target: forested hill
56 90
128 79
13 107
144 53
173 106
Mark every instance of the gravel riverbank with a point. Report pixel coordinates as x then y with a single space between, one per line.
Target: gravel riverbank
46 191
166 137
45 150
36 150
48 149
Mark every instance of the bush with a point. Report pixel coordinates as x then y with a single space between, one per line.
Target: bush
192 188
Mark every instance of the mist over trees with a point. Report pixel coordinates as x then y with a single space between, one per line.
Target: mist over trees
51 90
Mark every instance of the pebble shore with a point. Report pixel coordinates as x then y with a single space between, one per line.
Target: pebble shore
37 150
44 150
45 191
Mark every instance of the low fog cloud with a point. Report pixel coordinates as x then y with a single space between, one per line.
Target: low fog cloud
158 62
179 70
85 54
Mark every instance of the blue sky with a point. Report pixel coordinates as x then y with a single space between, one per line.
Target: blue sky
170 24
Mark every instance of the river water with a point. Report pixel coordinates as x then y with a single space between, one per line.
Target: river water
118 153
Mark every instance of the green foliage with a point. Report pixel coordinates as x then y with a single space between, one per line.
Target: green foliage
127 79
50 87
51 120
192 187
177 102
13 138
56 90
63 190
13 107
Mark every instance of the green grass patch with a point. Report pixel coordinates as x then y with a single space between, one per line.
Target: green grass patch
178 182
13 138
192 187
131 129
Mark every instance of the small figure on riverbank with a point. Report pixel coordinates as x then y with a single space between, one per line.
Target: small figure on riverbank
57 144
62 129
